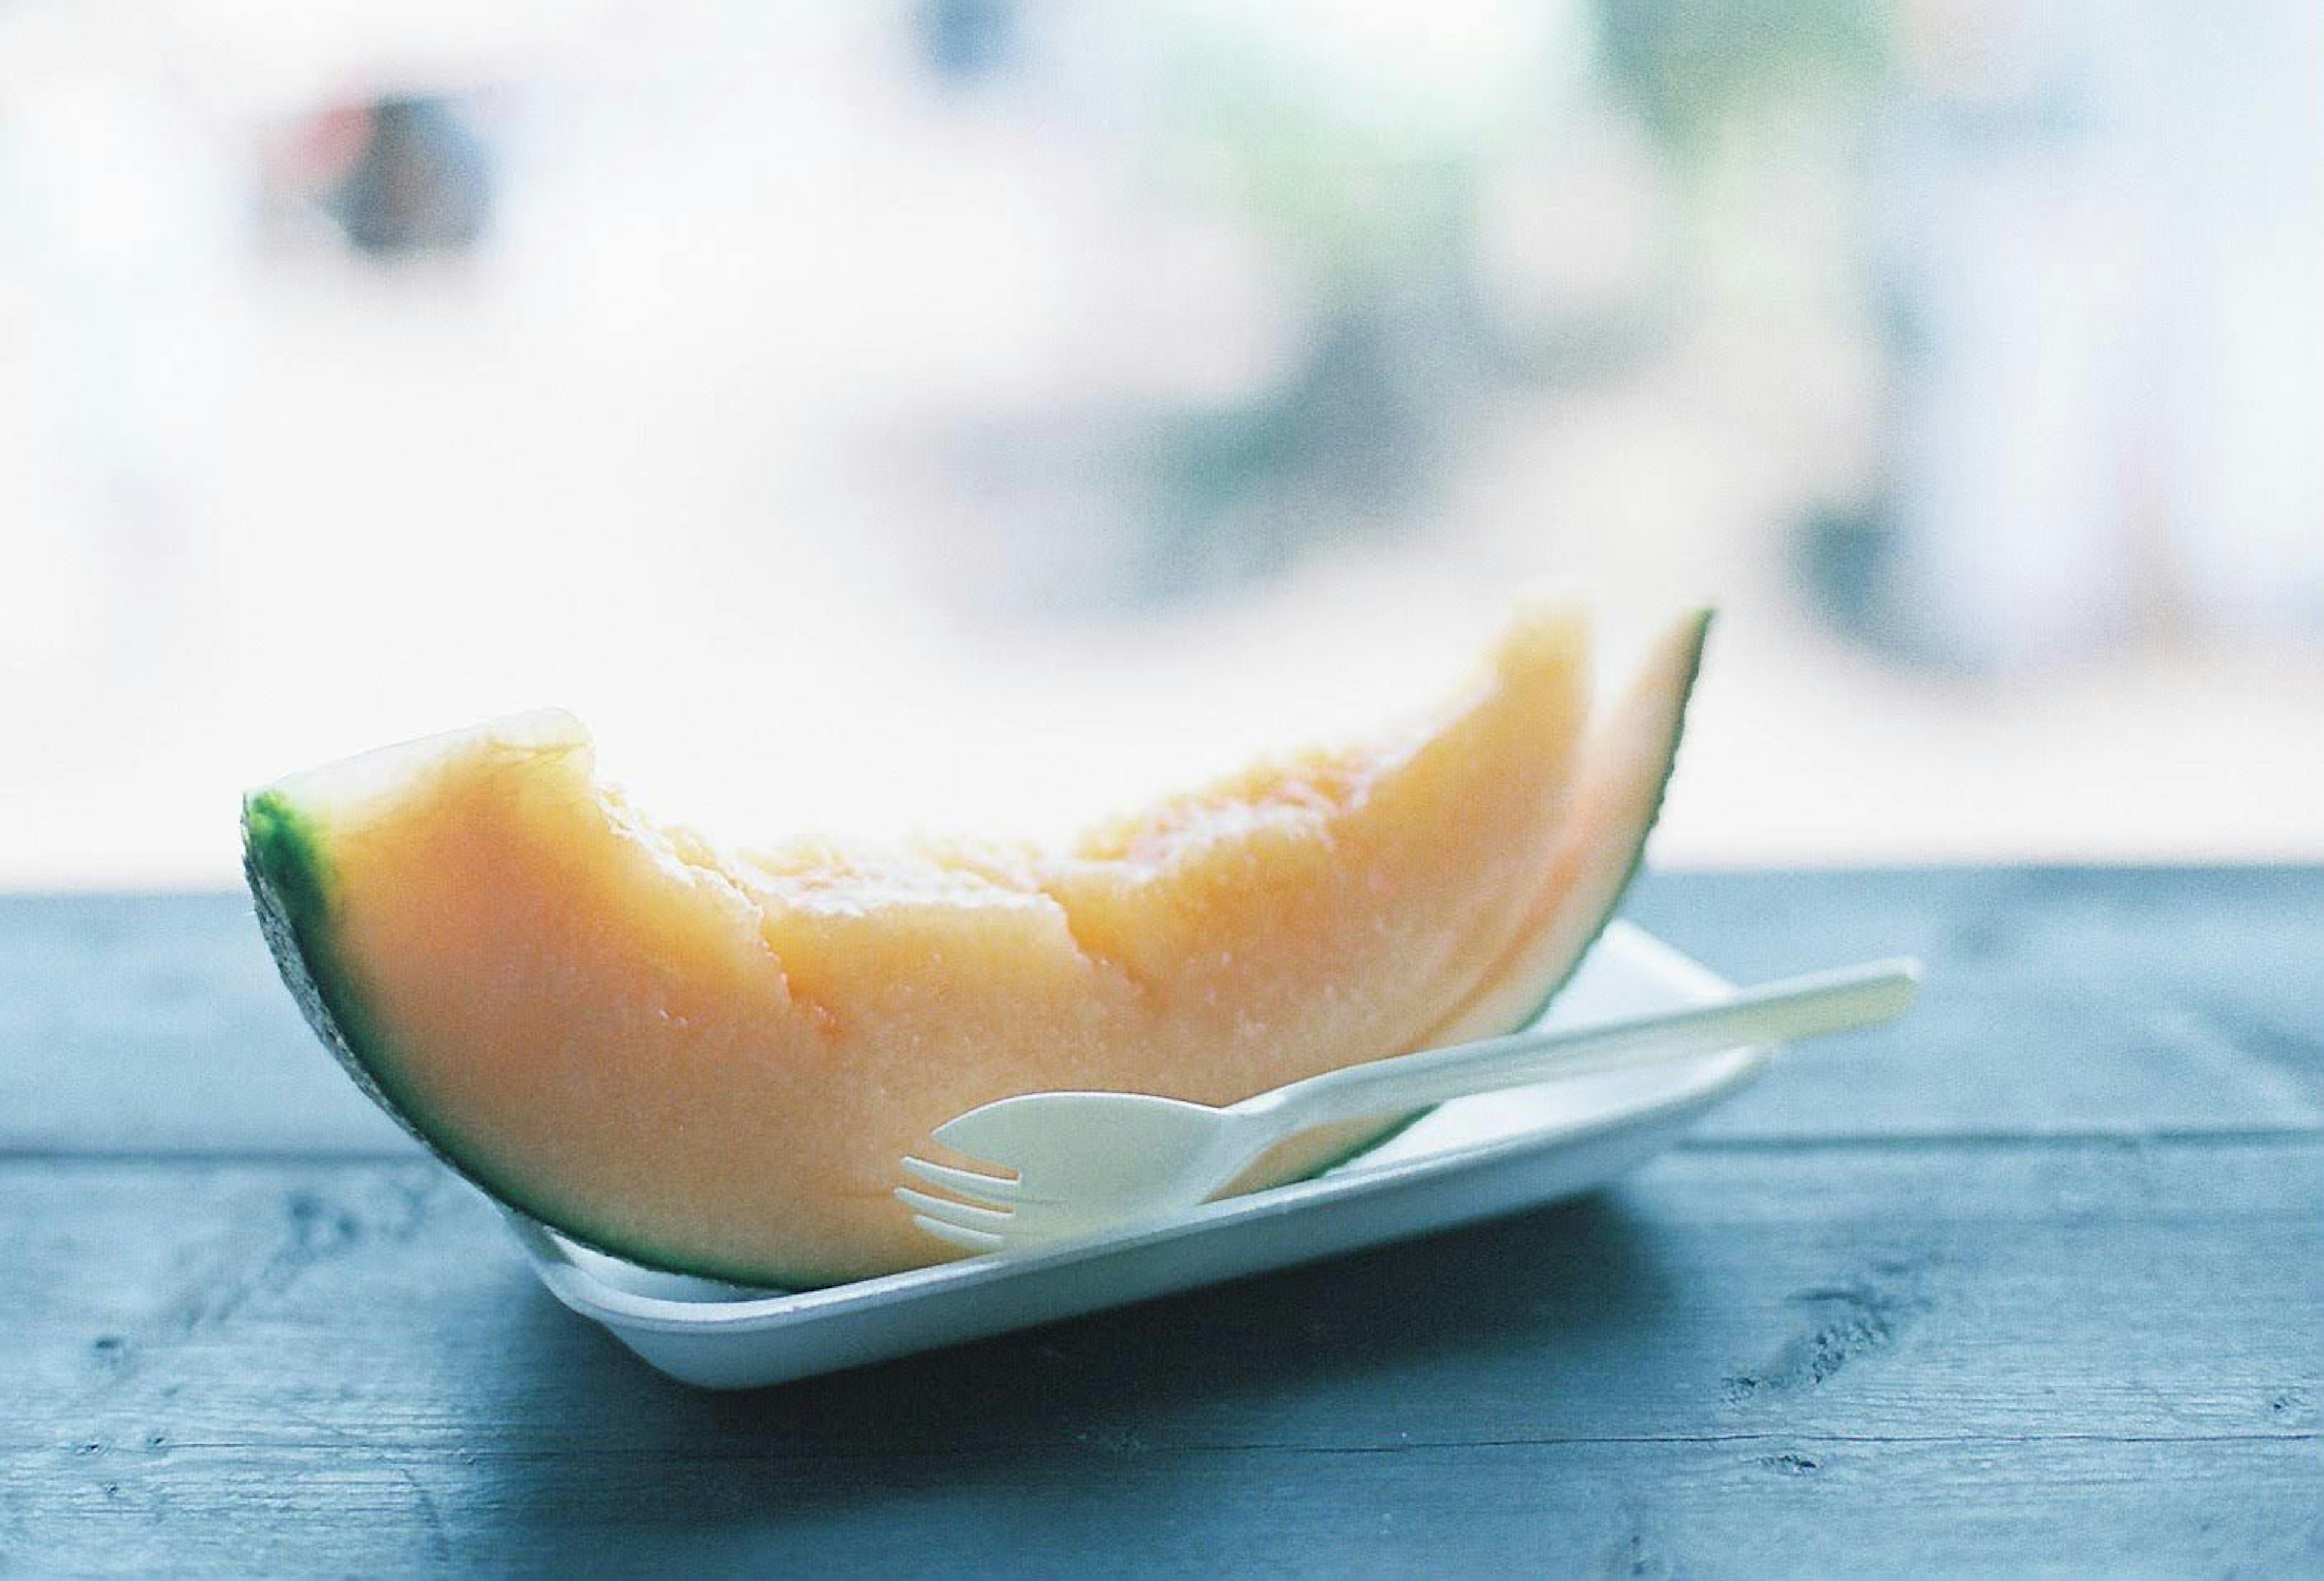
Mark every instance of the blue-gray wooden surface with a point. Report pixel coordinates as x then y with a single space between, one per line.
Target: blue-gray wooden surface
2032 1281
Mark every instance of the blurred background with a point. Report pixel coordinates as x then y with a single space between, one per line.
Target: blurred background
992 412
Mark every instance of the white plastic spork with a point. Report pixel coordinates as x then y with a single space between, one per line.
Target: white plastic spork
1057 1164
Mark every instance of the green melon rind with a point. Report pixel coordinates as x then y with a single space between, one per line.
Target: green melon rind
289 885
1690 669
288 868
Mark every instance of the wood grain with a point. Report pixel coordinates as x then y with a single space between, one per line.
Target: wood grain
1653 1509
2081 1322
2062 999
2032 1282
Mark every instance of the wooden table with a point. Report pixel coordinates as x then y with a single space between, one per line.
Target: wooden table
2035 1279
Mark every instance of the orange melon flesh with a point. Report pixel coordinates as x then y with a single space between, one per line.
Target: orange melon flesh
712 1061
1611 805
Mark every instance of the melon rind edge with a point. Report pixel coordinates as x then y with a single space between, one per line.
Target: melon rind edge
1688 670
1691 670
289 873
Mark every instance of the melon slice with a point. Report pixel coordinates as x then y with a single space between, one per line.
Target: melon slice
711 1061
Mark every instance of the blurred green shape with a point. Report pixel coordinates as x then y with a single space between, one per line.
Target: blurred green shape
1687 66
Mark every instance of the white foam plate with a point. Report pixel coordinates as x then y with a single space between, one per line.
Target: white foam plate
1467 1159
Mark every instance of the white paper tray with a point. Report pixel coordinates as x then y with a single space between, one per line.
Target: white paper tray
1467 1159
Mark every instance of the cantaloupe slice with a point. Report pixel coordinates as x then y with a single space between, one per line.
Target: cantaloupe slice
712 1061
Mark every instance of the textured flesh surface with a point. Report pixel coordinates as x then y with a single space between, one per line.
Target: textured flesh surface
713 1060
